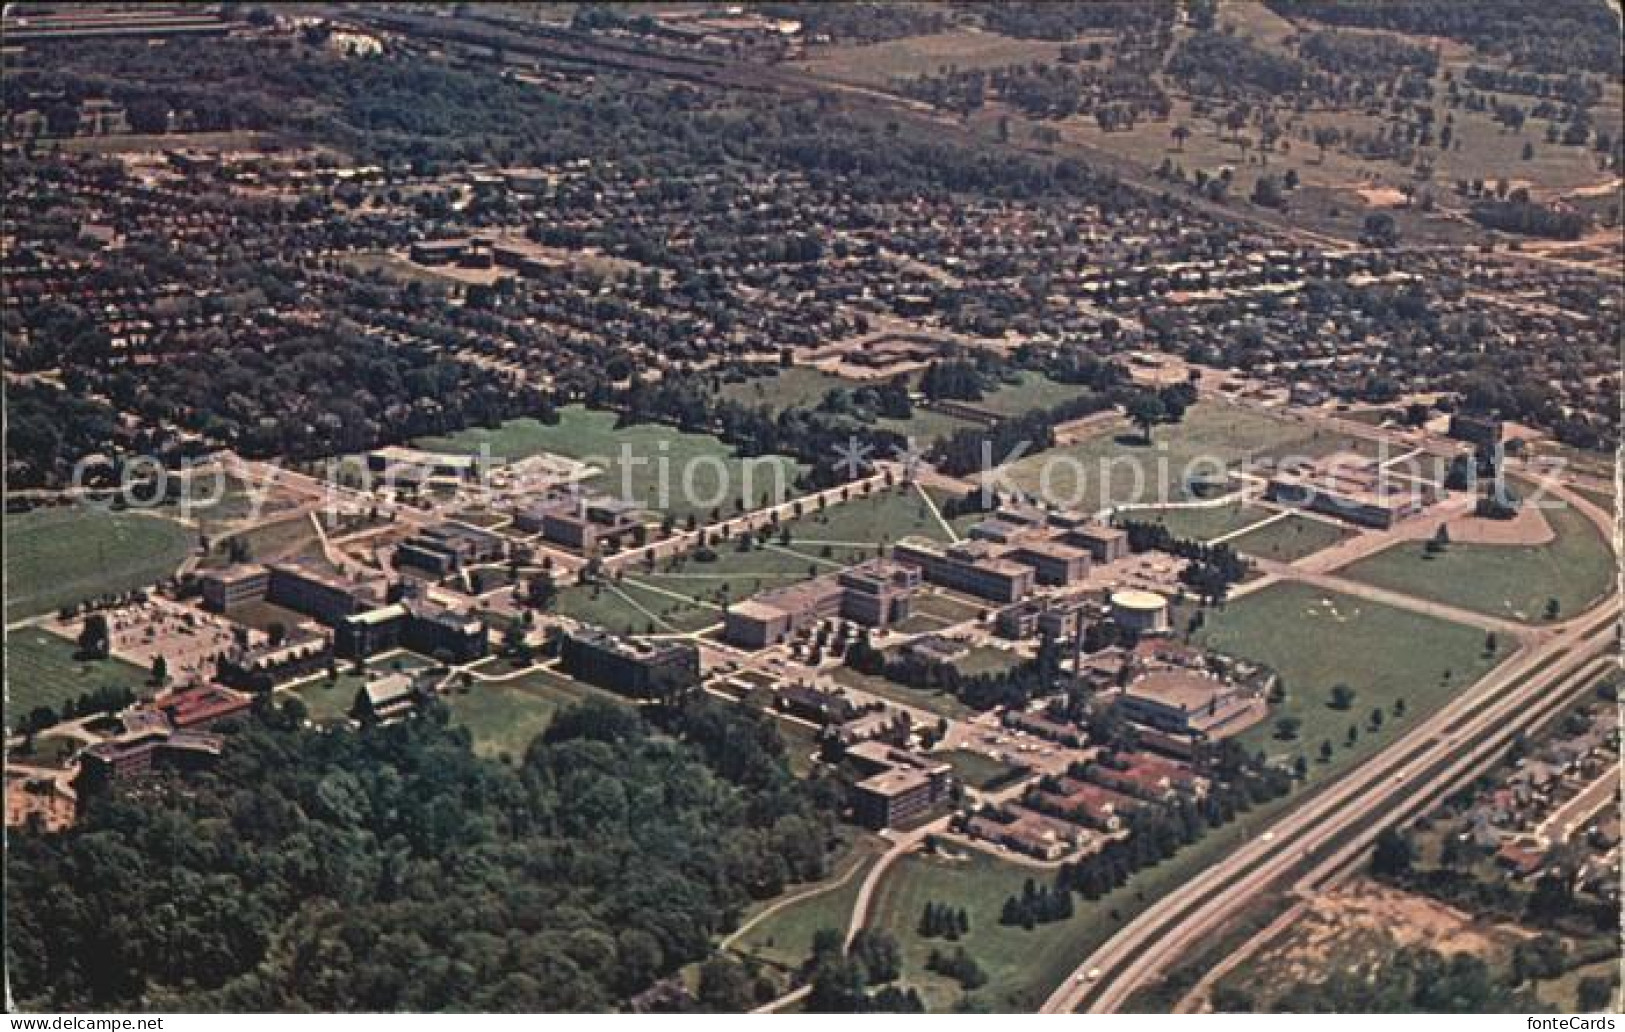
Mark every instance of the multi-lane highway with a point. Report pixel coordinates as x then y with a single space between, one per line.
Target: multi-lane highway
1319 838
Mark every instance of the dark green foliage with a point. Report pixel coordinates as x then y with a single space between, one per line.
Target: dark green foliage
392 870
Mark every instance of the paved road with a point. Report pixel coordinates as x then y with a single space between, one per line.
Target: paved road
1469 729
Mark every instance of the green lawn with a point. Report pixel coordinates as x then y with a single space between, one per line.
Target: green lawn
41 671
1576 568
796 387
655 465
1290 539
1115 467
786 937
626 608
931 700
62 556
1316 639
1203 524
504 717
974 768
46 751
1026 392
292 538
925 427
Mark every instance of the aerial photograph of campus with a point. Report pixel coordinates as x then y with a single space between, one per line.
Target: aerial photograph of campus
738 506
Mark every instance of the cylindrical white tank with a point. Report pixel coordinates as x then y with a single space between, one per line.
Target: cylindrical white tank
1144 612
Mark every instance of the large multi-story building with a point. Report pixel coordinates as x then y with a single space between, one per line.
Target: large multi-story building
974 567
1189 707
1352 488
632 666
448 547
895 785
234 585
419 624
876 594
580 521
315 591
263 667
1104 544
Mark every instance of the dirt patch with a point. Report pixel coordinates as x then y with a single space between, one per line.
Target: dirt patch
1364 920
1381 197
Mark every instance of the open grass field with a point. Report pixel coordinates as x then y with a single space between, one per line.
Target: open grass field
973 768
294 537
1028 391
785 937
1316 639
1290 539
876 64
925 427
1202 524
626 607
656 466
796 387
504 717
1513 581
1116 468
929 699
42 671
62 556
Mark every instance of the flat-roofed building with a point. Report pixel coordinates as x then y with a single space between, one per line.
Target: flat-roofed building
1104 544
876 593
1192 705
1350 487
308 588
261 668
419 624
234 585
1054 563
580 521
419 465
895 785
631 666
974 567
450 546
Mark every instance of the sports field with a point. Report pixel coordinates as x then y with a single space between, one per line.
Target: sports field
66 555
1515 581
41 671
655 465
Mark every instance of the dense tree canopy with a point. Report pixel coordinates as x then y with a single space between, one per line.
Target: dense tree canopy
392 869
